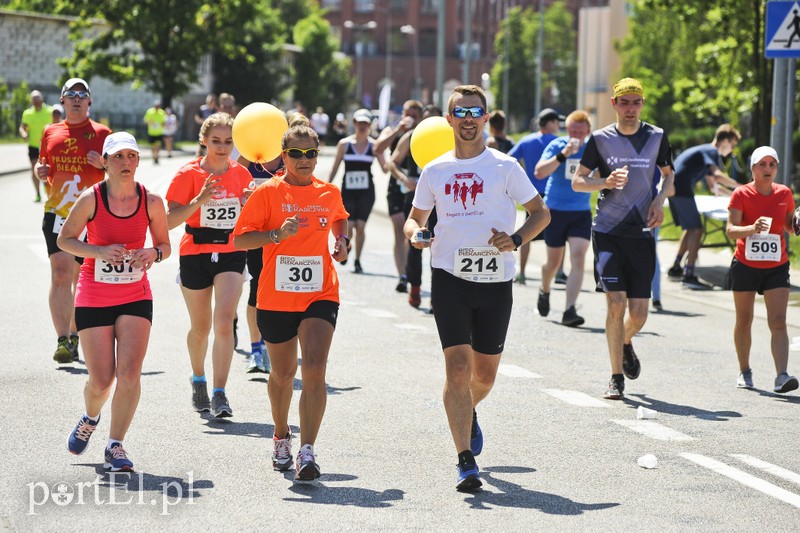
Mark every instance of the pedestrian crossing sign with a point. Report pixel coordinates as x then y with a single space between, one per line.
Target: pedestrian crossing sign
782 32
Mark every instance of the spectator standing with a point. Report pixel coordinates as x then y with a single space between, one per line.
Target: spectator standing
34 120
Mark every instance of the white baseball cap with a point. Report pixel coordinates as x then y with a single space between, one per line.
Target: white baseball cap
72 82
761 152
119 141
362 115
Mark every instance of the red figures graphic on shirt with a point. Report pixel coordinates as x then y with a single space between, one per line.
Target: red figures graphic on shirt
464 186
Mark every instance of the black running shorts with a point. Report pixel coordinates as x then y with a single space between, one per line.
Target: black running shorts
94 317
197 272
281 326
745 278
624 264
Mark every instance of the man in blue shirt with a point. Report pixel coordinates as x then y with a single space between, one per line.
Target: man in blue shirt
528 151
694 164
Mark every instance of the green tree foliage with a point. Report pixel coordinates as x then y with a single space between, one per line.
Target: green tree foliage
702 63
321 79
12 104
559 59
250 65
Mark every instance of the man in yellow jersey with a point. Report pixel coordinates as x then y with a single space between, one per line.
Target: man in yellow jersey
34 120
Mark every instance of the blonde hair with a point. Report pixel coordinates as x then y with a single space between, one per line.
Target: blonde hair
299 129
579 115
466 90
214 121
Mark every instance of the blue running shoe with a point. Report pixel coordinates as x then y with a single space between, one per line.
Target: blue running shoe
476 436
79 438
468 478
117 459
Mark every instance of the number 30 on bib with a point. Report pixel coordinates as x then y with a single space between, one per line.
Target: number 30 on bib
479 264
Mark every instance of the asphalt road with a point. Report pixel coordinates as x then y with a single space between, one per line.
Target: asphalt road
557 456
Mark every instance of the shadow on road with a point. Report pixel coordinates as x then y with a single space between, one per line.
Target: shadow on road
139 481
782 397
317 492
228 426
513 495
680 410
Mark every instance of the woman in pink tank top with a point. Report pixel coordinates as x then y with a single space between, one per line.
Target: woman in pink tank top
113 302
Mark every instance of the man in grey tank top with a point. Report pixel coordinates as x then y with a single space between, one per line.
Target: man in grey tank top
624 157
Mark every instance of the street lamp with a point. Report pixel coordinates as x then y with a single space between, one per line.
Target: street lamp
359 49
408 29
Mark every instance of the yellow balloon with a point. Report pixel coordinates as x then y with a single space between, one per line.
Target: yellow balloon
431 138
258 130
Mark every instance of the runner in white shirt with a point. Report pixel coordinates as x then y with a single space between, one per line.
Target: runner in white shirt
475 191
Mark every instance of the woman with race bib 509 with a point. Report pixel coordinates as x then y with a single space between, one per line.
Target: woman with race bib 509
759 213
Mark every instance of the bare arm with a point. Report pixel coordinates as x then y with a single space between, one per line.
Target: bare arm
340 147
68 238
417 220
539 219
178 213
545 167
582 182
735 230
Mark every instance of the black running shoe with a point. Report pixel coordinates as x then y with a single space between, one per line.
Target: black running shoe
357 267
200 400
571 318
402 285
675 272
615 390
220 407
631 366
561 278
543 304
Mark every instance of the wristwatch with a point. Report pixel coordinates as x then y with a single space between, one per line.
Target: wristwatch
159 255
517 241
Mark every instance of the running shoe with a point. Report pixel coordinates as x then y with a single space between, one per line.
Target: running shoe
543 303
74 342
402 285
469 479
282 453
220 407
631 366
79 438
357 267
657 305
307 468
521 279
200 400
615 390
256 362
785 383
414 297
476 436
117 459
675 272
571 318
561 278
693 282
745 379
63 353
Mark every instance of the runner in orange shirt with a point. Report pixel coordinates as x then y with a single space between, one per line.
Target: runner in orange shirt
291 217
207 195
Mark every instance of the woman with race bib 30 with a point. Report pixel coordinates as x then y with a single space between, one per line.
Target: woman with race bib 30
292 217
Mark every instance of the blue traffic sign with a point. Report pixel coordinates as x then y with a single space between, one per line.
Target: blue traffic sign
782 33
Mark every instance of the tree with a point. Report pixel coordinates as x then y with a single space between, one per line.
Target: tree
559 60
711 68
321 79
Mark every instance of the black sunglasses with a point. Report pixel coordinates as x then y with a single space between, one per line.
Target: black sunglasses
83 95
298 153
476 112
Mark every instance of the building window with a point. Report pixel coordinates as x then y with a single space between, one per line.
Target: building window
398 5
363 6
430 6
427 43
333 5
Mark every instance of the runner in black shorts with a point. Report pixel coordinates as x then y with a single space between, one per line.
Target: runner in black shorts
760 214
625 156
473 264
358 190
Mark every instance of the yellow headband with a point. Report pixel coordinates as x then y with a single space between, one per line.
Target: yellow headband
628 86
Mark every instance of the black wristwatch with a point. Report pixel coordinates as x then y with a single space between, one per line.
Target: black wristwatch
517 241
158 254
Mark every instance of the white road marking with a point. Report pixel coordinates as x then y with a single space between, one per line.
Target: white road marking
744 478
769 468
412 327
576 398
40 251
378 313
514 371
654 430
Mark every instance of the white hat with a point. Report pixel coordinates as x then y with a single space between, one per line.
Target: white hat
362 115
119 141
761 152
59 108
72 82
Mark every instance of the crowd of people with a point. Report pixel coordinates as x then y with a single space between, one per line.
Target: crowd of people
270 223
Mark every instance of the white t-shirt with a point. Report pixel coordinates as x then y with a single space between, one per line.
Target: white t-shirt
471 197
320 122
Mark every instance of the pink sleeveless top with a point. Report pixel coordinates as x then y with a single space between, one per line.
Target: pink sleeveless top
106 228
